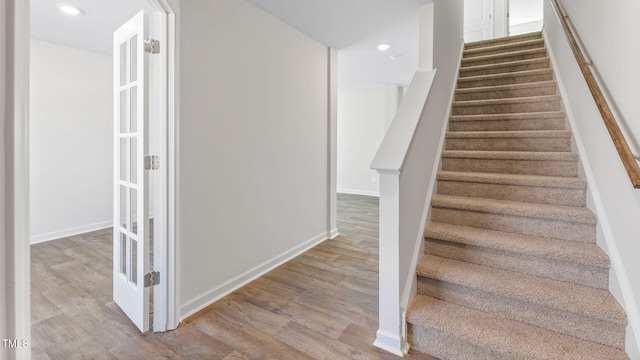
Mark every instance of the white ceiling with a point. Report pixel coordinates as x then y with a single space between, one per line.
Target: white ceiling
354 27
341 23
91 31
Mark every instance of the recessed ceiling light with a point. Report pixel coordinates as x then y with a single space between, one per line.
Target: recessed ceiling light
384 47
70 10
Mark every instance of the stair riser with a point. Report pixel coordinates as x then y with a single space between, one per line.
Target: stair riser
508 108
532 265
466 83
514 144
522 167
561 321
501 69
503 41
534 194
468 54
536 54
450 347
488 94
550 228
504 125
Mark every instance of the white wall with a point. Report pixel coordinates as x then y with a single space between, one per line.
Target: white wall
252 147
525 16
528 8
609 31
361 127
363 118
71 141
524 28
612 196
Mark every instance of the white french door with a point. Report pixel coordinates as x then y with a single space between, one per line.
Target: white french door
131 194
478 20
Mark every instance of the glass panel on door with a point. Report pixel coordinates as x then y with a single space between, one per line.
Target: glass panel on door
131 218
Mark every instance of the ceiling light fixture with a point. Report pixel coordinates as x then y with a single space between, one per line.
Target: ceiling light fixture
70 10
384 47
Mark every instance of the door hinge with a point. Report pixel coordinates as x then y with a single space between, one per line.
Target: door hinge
152 279
151 46
151 162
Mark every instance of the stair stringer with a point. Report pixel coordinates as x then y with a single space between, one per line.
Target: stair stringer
593 143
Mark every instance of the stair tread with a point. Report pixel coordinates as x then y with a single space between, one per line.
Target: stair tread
511 155
502 46
514 339
503 64
541 51
510 116
514 179
516 208
513 38
506 101
528 85
579 299
556 249
503 75
508 134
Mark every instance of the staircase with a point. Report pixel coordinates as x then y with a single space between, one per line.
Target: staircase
511 269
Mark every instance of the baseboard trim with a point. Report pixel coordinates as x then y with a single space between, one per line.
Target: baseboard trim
358 192
391 343
209 297
334 234
58 234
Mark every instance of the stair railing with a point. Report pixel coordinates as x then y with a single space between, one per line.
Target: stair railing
629 160
407 162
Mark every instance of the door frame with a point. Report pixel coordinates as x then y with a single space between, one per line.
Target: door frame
165 108
17 175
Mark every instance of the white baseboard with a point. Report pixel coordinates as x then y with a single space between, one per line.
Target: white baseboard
193 306
58 234
391 343
334 234
358 192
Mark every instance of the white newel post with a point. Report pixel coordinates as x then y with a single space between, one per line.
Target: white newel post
389 336
389 160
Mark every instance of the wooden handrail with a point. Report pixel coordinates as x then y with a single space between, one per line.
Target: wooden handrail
627 157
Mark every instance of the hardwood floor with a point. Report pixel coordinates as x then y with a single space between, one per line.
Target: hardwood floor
321 305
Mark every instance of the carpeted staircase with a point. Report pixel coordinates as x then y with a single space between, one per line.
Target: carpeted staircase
511 269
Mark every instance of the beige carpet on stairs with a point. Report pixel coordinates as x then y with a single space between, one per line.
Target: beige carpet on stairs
511 269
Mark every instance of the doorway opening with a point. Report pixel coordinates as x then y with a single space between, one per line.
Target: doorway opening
87 143
525 16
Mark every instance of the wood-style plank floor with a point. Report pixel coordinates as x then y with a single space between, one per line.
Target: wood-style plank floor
321 305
